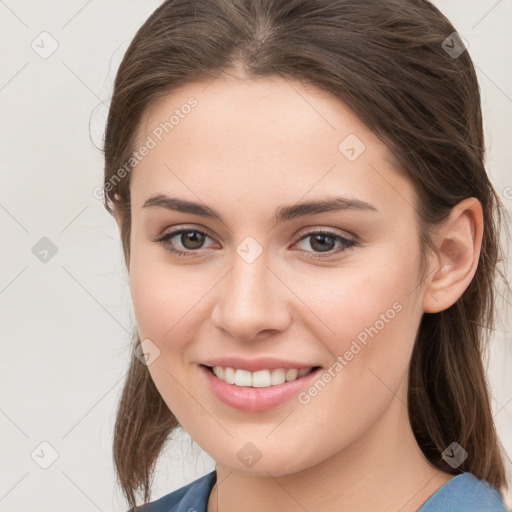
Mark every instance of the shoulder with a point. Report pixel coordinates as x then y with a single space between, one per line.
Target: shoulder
465 493
191 497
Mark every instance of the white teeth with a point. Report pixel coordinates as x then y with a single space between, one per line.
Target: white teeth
278 377
260 378
243 378
229 375
291 374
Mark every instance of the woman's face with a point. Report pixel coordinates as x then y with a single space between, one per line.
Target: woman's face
266 282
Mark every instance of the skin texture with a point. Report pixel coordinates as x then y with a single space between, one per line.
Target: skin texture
248 147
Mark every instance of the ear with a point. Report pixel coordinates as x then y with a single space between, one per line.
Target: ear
458 242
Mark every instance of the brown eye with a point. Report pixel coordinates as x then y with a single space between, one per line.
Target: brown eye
325 242
320 242
192 239
183 242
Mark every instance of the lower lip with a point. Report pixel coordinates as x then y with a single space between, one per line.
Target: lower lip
252 399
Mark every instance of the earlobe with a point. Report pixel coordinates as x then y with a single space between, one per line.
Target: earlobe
458 247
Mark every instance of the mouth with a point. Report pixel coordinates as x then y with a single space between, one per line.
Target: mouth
259 379
258 391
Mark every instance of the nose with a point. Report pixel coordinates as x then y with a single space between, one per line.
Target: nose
251 301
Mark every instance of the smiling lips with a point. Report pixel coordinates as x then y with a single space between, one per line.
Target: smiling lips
259 379
257 384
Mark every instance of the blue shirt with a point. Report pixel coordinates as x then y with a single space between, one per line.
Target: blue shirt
463 493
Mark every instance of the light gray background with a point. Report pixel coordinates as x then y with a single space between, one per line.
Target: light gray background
66 322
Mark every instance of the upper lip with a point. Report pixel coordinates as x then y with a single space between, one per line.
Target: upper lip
255 364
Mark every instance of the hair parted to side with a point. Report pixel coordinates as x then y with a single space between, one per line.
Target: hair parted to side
384 59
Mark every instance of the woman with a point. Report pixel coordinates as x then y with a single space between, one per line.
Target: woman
312 242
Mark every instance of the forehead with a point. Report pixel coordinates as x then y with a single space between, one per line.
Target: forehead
258 138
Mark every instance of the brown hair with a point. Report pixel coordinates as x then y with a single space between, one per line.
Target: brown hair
386 60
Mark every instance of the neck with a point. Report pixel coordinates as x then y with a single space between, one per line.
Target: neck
384 469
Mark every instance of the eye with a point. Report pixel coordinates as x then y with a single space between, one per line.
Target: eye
324 242
191 240
188 241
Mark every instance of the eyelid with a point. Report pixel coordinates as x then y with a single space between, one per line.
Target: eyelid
348 242
311 230
163 237
303 232
175 230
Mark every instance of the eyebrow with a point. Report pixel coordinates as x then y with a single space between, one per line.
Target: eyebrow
283 213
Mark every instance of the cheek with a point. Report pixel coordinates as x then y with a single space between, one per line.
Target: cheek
163 299
374 290
369 315
162 294
152 301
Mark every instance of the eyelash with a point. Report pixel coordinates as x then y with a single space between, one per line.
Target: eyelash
164 241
